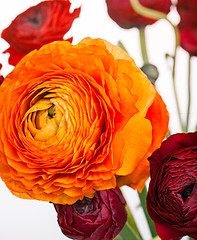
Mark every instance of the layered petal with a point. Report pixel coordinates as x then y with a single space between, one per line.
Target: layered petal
172 194
188 25
102 217
41 24
123 13
77 119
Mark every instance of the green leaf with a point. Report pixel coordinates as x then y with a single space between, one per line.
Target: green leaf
120 44
132 223
150 222
156 238
127 233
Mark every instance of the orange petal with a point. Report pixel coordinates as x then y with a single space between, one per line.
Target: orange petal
137 138
159 119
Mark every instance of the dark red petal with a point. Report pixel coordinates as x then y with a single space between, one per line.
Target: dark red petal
173 143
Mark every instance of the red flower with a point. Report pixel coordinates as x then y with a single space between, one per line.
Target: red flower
188 25
48 21
189 40
125 16
101 217
1 77
172 195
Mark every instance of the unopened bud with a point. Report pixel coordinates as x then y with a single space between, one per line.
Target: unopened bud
151 72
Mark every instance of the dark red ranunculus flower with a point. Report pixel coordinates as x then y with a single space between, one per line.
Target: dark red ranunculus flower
188 25
125 16
1 77
44 23
101 217
172 195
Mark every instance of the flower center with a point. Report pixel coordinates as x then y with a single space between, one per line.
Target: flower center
187 192
45 118
34 20
52 111
84 206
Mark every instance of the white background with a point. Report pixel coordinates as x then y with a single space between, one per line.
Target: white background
34 220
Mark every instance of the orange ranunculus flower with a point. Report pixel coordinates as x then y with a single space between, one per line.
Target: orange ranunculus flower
77 119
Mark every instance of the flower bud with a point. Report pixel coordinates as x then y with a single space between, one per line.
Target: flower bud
101 217
151 72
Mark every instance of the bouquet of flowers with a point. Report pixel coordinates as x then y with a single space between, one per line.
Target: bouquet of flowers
82 124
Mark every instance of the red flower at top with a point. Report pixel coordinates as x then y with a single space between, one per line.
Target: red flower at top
188 25
46 22
122 12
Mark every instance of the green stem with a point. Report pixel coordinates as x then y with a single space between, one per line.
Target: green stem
150 222
127 233
175 93
173 76
143 45
131 222
189 93
146 12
